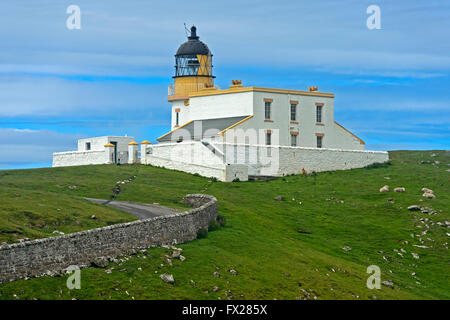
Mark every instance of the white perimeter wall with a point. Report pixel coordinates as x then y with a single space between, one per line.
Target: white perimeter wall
282 160
191 157
79 158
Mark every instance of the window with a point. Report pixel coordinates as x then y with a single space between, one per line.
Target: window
177 118
319 141
267 110
318 114
293 140
268 138
293 112
88 146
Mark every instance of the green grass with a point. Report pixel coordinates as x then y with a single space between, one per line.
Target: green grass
260 238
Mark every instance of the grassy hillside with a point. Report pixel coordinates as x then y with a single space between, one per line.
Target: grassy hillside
260 240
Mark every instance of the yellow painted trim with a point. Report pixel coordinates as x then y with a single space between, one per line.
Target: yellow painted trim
258 89
109 145
174 130
360 140
176 98
145 142
133 143
234 125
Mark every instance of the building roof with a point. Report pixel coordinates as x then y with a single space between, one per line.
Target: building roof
193 46
198 129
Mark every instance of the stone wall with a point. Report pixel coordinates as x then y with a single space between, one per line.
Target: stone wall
281 160
53 255
79 158
190 156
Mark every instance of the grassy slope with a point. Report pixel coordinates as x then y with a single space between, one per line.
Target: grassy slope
260 239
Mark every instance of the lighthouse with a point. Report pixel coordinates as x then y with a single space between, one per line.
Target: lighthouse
193 68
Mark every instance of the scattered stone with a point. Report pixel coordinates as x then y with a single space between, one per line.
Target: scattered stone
346 248
399 189
72 187
303 231
279 198
388 284
215 288
414 208
176 254
415 255
100 262
387 178
182 258
168 278
233 272
56 232
423 247
384 188
216 274
93 217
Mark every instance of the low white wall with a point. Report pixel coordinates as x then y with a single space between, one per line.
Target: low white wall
282 160
78 158
192 157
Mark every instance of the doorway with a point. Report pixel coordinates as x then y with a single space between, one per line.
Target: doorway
115 151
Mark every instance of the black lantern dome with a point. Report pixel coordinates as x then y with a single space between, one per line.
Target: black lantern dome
193 58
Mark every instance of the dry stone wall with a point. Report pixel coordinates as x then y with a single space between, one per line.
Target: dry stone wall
53 255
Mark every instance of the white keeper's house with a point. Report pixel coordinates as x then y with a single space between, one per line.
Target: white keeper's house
236 132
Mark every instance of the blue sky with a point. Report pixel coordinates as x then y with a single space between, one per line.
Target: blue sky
392 85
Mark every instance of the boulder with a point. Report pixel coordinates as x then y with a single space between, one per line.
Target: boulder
168 278
384 188
100 262
414 207
388 284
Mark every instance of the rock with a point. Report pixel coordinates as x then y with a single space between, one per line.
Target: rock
399 189
346 248
415 255
388 284
100 262
72 187
233 272
176 254
303 231
182 258
426 190
93 217
216 274
429 195
58 232
414 207
279 198
384 188
215 288
168 278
